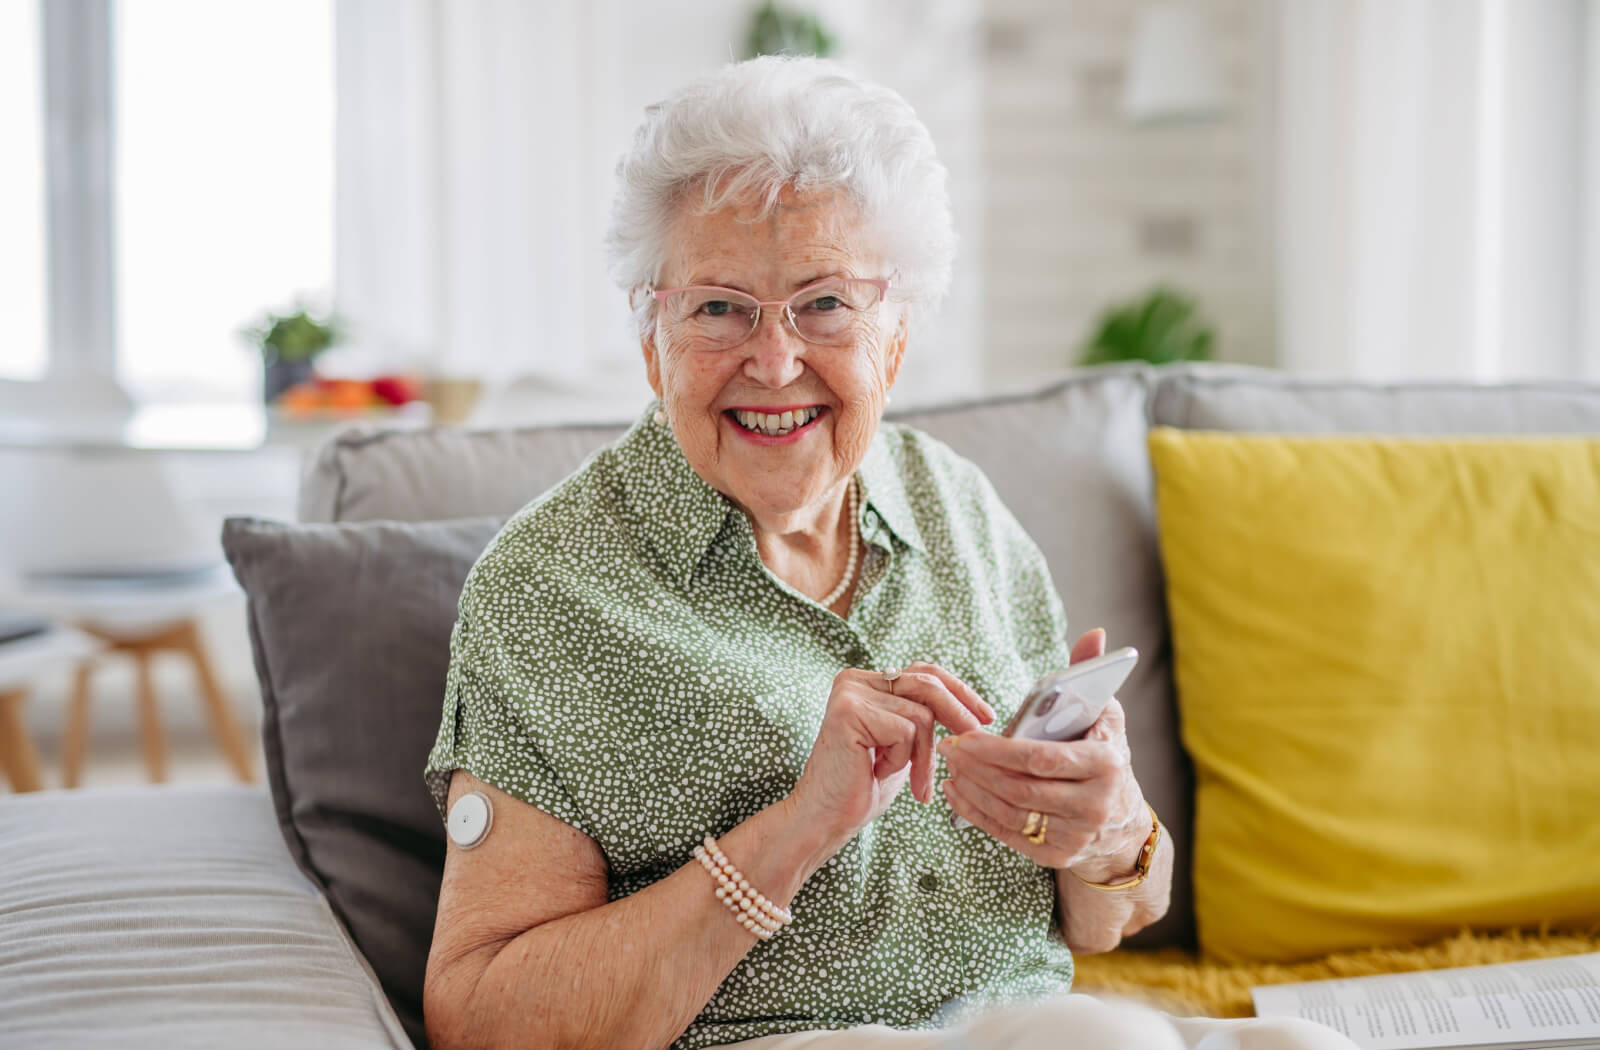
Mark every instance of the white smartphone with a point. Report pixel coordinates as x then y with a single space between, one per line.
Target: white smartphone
1064 704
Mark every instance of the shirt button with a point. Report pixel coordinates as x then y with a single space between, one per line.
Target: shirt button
928 882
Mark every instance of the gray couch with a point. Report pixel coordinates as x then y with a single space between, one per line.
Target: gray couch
301 915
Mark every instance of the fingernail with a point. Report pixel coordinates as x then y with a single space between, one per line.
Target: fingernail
948 744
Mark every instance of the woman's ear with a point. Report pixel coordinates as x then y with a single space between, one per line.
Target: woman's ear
652 362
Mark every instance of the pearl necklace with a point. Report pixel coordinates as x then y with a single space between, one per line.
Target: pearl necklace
855 552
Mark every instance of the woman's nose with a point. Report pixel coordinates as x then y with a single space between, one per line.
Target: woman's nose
772 353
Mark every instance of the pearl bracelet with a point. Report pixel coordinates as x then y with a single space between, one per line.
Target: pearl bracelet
752 910
742 903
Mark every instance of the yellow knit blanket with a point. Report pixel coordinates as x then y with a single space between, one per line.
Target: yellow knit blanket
1180 983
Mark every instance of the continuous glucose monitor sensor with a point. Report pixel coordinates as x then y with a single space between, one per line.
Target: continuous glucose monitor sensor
470 819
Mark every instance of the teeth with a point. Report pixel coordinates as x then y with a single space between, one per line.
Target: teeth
773 425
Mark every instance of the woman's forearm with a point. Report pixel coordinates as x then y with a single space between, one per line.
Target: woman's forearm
635 972
1096 920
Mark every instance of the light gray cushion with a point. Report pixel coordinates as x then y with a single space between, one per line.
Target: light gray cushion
351 628
1221 397
171 917
441 472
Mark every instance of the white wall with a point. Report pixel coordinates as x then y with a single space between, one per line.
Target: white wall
1085 209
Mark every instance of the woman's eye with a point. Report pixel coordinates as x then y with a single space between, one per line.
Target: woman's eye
717 308
825 302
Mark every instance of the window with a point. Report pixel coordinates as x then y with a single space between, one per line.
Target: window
22 200
224 173
222 164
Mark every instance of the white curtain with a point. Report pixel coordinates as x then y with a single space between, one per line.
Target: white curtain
1589 180
1438 188
468 208
477 141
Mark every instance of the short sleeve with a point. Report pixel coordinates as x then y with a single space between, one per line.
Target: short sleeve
481 730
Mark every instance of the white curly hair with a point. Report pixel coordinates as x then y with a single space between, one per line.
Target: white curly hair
750 129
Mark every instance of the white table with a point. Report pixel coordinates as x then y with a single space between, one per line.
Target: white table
200 427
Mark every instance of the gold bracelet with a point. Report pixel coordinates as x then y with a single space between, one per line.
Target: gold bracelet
1141 869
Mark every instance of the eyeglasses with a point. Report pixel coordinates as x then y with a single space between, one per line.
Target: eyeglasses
833 312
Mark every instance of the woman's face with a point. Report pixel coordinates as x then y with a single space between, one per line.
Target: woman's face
806 238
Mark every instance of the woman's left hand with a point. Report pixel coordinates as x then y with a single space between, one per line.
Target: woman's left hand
1094 815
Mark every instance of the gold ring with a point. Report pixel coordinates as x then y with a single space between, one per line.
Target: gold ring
890 676
1031 825
1036 837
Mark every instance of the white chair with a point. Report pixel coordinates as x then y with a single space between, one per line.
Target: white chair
93 534
21 661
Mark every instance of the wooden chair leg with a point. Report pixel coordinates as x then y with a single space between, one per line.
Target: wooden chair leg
150 738
222 722
76 743
17 756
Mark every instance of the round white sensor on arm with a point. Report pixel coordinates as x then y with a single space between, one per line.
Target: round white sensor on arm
470 819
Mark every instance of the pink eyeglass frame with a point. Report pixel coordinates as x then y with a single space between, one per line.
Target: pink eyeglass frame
882 283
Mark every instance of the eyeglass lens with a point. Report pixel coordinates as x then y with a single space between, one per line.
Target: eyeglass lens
719 318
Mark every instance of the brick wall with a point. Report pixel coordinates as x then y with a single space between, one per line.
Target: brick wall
1084 209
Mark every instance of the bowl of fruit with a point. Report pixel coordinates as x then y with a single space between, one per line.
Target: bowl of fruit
321 398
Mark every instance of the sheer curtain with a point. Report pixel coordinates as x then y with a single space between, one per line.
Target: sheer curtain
1439 179
477 143
1589 178
468 208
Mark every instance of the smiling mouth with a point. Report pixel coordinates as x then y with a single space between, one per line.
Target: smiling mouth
774 425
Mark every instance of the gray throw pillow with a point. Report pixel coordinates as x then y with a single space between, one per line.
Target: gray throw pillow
350 625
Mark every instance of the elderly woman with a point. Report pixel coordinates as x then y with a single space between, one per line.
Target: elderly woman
701 692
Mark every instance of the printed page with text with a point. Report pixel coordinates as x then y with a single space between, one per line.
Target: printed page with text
1526 1005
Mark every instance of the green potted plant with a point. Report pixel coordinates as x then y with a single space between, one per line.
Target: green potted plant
1162 327
289 343
776 30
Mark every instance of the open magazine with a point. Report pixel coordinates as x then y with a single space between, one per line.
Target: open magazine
1523 1005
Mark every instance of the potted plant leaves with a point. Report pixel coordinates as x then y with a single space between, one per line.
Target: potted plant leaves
289 344
1162 327
776 30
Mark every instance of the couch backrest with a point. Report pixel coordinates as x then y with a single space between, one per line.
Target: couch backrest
1260 401
368 474
1069 459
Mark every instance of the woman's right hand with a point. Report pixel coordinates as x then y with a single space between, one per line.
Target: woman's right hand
875 736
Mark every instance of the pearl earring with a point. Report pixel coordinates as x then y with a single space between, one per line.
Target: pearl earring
660 417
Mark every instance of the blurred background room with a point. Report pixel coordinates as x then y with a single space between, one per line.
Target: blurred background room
230 229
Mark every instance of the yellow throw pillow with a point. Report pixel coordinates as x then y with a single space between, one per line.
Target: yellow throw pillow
1388 669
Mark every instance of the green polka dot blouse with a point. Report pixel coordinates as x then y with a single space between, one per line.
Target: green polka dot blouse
624 661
